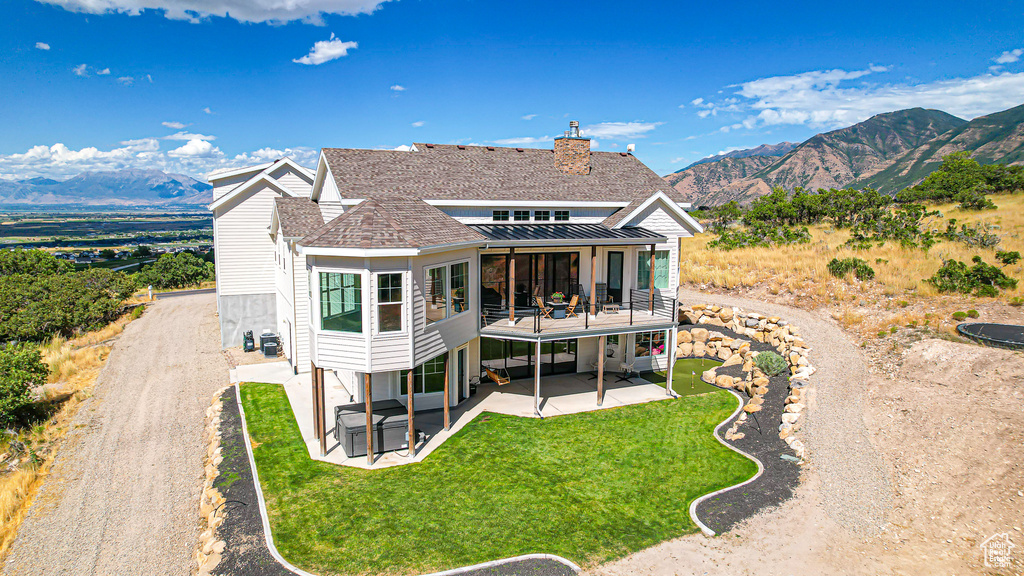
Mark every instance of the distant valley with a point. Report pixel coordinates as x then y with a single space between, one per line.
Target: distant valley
122 188
888 152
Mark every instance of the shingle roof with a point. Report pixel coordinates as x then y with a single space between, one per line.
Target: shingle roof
446 172
391 223
618 215
298 216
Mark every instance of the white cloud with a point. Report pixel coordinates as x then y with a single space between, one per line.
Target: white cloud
829 99
81 70
418 124
398 88
1009 57
104 72
402 148
149 77
529 116
619 130
196 158
325 51
697 101
271 11
126 80
207 110
196 149
188 136
523 141
42 46
174 125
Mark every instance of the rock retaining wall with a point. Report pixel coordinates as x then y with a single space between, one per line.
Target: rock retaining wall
211 502
697 339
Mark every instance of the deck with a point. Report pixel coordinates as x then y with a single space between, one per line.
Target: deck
527 327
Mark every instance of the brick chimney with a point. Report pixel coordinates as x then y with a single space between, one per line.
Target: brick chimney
572 151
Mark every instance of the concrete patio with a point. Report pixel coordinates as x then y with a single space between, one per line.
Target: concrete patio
559 395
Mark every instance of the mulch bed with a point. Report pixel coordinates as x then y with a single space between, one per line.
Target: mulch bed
780 477
246 553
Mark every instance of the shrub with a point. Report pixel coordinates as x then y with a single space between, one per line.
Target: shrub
21 368
981 279
973 314
137 312
894 329
904 303
35 262
903 225
760 235
959 316
177 271
980 234
1007 258
771 363
840 268
882 333
962 179
974 199
1016 301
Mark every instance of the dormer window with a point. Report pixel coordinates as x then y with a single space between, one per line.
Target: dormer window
500 215
542 215
521 215
561 215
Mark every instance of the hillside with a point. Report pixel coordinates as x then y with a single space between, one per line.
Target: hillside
830 160
996 138
763 150
126 188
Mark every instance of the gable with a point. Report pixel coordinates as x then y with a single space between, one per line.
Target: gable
657 219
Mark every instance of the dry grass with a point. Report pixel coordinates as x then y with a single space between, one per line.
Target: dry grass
74 366
800 272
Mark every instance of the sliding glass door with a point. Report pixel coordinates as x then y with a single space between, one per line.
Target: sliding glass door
519 358
537 275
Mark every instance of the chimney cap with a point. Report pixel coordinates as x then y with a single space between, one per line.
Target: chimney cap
573 131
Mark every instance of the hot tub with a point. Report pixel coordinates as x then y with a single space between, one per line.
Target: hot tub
390 427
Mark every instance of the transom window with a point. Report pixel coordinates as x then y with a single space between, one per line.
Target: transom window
389 302
500 215
542 215
561 215
341 302
447 291
521 215
650 344
427 378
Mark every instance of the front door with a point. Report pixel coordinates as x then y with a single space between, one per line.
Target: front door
615 276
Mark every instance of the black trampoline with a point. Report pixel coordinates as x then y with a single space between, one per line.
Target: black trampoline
1002 335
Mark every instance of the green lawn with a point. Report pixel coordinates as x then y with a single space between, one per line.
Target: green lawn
590 487
683 382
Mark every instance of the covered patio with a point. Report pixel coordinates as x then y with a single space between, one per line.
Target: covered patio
562 394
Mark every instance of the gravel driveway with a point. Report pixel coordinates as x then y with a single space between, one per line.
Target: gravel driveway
123 494
855 480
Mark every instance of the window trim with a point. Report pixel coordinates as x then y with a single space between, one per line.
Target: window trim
546 213
556 213
361 274
448 287
651 333
520 215
500 215
646 260
403 302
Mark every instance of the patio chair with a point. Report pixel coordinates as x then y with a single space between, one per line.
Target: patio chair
593 366
544 310
627 371
497 378
570 311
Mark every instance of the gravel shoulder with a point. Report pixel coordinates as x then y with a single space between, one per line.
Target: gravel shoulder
123 493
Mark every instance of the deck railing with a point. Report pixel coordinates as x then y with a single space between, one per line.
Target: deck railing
639 305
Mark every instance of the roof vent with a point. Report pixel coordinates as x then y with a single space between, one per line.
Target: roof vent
519 149
574 129
462 146
430 145
491 148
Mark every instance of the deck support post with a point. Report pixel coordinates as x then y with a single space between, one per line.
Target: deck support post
600 369
536 383
315 390
650 286
368 393
593 281
670 347
512 286
319 411
412 426
447 388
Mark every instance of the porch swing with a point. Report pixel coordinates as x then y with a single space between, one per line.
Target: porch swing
499 379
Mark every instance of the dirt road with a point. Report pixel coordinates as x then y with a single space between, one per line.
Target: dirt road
123 494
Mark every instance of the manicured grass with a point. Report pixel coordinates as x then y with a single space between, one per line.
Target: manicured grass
590 487
682 382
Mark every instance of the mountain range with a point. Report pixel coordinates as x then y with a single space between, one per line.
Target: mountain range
122 188
888 152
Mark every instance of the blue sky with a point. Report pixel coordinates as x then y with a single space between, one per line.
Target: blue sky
110 84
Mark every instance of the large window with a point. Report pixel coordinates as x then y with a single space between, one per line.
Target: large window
643 269
389 302
427 378
341 302
447 291
650 344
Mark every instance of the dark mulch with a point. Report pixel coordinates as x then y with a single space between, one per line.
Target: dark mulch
246 553
780 477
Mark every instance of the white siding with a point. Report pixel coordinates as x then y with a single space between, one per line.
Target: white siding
285 297
330 210
300 282
429 341
243 247
338 350
657 219
293 180
222 187
390 351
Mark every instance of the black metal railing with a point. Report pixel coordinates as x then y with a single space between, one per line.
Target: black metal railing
641 301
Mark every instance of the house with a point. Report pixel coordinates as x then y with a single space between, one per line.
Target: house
405 275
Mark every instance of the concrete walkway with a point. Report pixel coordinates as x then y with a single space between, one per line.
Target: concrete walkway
123 494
